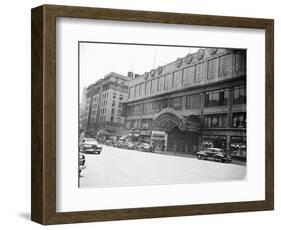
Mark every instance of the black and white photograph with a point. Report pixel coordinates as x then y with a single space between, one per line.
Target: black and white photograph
153 114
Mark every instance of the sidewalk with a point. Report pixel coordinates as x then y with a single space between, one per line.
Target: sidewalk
190 155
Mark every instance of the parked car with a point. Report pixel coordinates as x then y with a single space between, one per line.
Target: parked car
215 154
90 145
82 161
119 144
109 142
129 145
144 147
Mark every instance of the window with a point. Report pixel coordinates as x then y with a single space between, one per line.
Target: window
165 103
215 121
177 103
177 79
134 124
128 124
119 111
141 91
120 104
158 106
131 92
149 108
193 101
154 85
147 87
145 108
114 95
113 103
188 75
239 120
112 112
225 66
121 97
213 68
239 95
161 83
146 123
240 60
168 81
216 98
137 91
199 72
111 119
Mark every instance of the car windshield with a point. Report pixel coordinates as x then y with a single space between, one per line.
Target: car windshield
216 150
89 140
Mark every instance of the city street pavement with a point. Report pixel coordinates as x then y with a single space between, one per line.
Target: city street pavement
122 167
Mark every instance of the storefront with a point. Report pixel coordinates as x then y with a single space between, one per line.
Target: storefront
238 146
160 139
214 141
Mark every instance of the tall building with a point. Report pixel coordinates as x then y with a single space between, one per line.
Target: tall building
197 100
83 109
104 99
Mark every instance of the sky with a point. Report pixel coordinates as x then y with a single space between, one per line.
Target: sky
99 59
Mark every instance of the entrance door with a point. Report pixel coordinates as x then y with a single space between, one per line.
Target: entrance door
182 141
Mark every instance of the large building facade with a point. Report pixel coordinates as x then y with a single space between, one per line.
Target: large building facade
196 101
103 104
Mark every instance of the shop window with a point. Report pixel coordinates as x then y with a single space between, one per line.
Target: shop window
188 75
215 121
199 73
177 81
239 120
193 101
216 98
238 146
239 95
213 141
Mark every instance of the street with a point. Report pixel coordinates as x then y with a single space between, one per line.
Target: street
122 167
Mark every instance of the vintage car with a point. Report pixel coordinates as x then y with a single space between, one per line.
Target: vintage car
90 145
144 147
215 154
81 162
129 145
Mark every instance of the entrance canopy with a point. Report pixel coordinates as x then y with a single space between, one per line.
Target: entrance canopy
166 121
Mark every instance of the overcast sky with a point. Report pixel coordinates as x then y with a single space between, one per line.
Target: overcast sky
97 60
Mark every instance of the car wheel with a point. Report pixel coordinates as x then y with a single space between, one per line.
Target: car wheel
199 157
